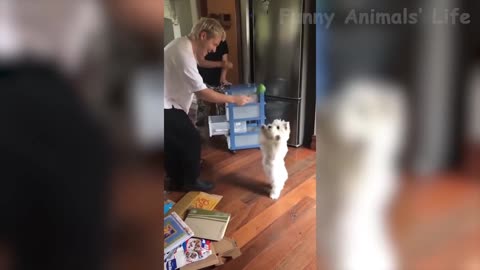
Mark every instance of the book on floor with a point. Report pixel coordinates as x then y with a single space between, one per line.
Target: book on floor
176 231
208 224
222 251
205 201
192 250
195 199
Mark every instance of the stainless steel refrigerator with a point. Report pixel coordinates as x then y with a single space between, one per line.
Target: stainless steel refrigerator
278 50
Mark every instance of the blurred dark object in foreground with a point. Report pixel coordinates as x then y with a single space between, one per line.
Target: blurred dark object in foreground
55 167
137 202
69 122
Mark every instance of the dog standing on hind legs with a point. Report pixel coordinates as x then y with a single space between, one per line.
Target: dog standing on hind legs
273 144
360 137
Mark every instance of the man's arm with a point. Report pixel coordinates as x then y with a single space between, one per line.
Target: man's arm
210 64
224 64
215 97
223 75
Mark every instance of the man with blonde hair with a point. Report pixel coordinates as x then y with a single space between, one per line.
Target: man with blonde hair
182 81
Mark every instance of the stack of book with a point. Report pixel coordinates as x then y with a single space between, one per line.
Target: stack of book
191 240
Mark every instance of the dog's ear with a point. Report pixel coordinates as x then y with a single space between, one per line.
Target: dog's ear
277 137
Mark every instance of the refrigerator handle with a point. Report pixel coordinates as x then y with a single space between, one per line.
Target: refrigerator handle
245 9
252 38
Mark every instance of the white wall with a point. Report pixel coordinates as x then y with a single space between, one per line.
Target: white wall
180 16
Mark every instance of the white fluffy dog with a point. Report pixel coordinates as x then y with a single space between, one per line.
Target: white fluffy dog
273 143
359 137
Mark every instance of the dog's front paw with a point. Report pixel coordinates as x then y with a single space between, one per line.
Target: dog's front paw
274 195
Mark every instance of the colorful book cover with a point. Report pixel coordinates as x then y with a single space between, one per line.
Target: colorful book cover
196 249
195 199
192 250
175 231
205 201
208 224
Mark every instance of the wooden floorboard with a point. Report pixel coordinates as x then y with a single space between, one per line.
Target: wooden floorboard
260 222
436 219
442 218
277 240
312 264
266 230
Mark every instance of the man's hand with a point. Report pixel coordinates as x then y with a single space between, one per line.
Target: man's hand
241 100
225 82
227 64
210 95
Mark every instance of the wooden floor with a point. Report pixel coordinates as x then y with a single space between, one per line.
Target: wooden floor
436 220
271 234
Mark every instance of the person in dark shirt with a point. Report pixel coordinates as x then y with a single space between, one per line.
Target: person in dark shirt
213 70
214 67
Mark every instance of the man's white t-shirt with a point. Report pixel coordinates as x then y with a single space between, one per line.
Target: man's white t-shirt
182 79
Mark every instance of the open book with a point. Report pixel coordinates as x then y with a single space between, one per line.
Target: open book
208 224
175 231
